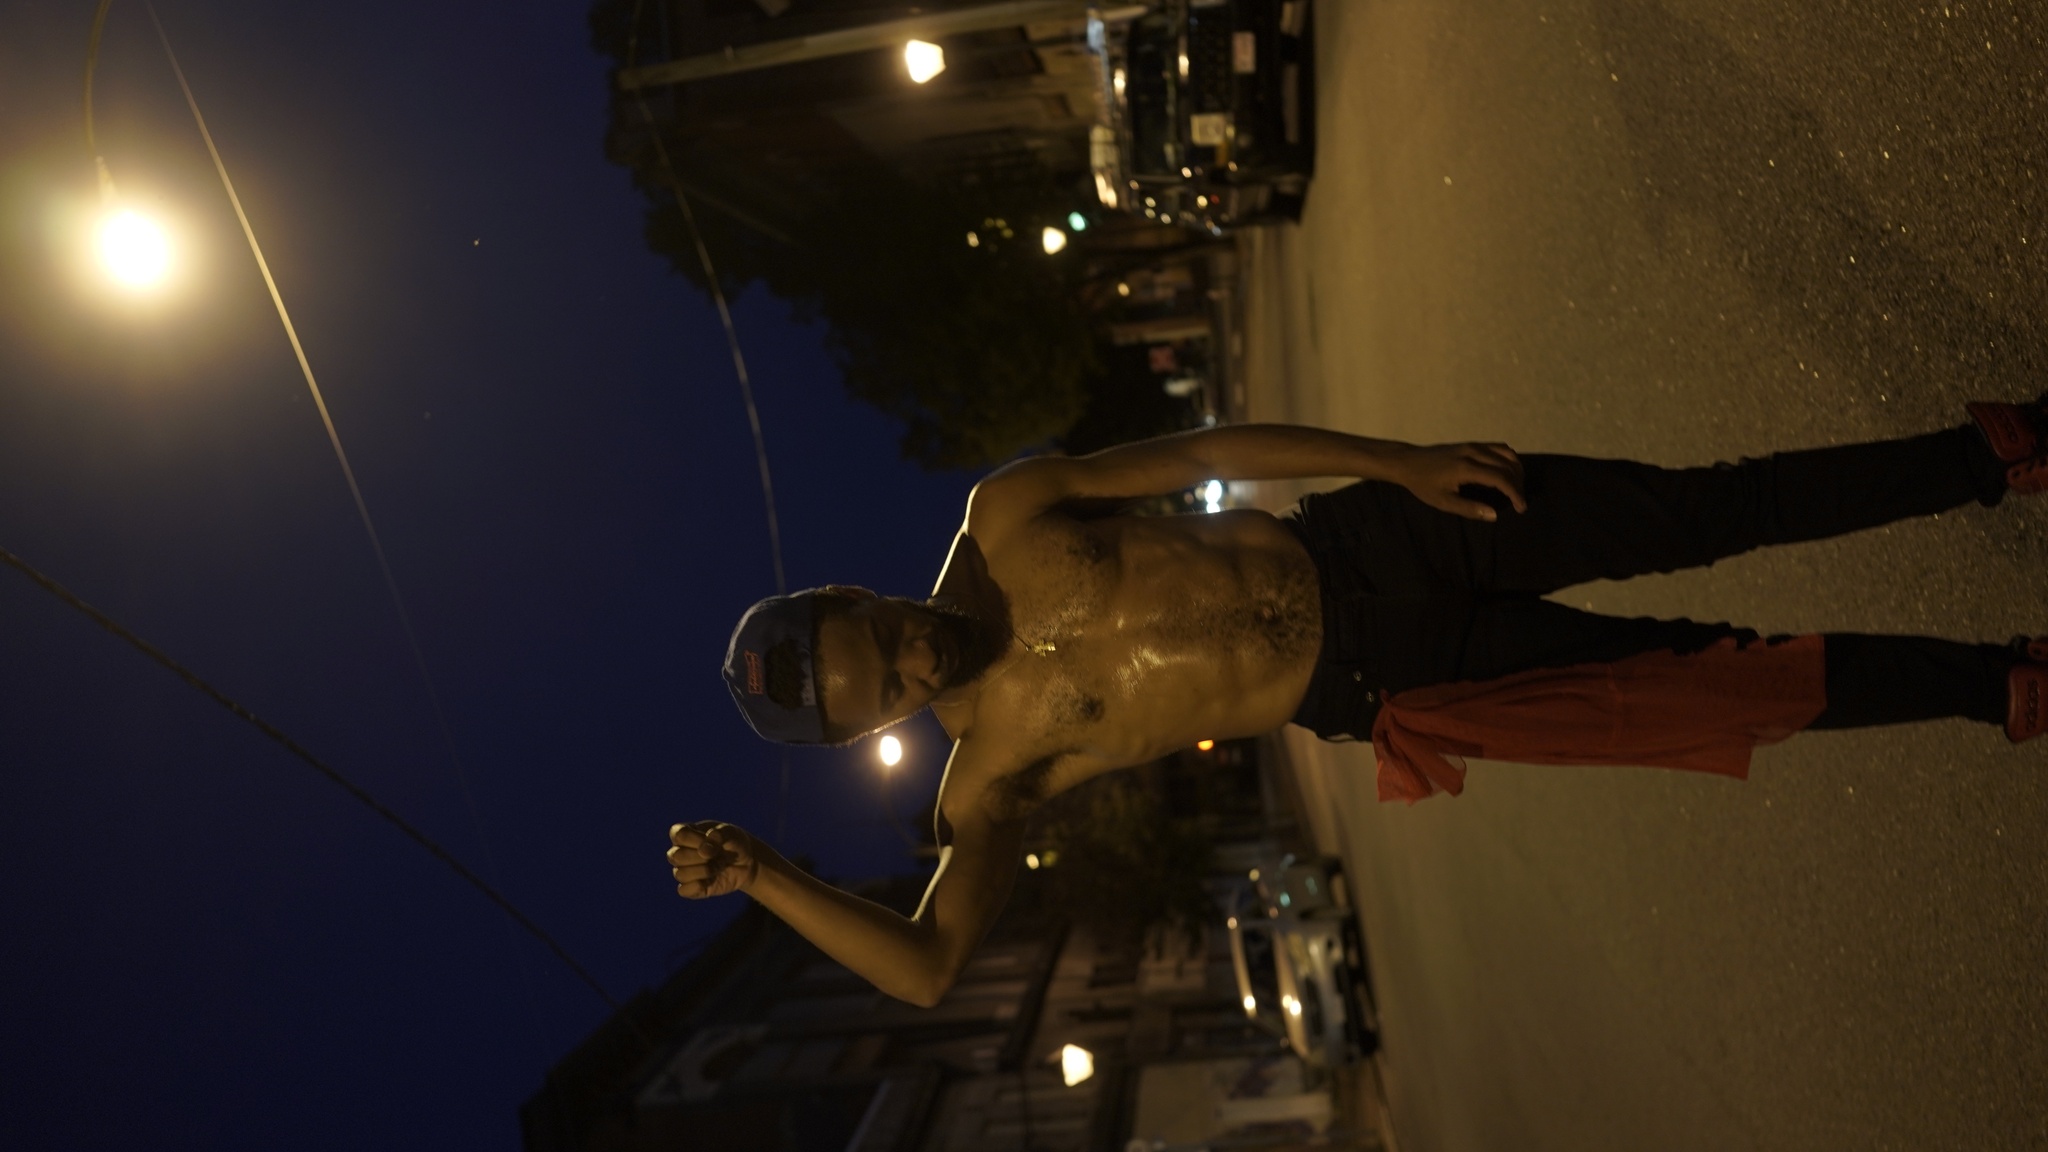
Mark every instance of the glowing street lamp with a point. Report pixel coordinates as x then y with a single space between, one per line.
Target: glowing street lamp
1053 239
134 250
1076 1064
924 60
890 750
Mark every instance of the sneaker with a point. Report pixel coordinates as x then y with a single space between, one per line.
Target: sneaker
2026 690
2018 435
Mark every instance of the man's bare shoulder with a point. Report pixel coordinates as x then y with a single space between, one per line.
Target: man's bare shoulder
970 793
1016 494
1000 777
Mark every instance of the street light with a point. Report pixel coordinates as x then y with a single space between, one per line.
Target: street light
1053 239
889 750
134 250
1076 1064
924 60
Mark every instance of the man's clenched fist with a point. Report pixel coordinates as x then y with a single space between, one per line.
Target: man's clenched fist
711 859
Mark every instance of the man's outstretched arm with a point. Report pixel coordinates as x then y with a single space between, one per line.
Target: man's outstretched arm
913 958
1256 452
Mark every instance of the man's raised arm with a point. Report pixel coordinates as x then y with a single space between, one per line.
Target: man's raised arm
911 958
1253 452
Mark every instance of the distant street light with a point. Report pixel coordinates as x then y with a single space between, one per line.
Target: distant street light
924 60
1077 222
1054 239
1076 1064
889 750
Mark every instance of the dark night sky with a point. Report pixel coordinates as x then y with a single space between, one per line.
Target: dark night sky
205 944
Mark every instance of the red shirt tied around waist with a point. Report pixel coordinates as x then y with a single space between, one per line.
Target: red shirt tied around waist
1702 712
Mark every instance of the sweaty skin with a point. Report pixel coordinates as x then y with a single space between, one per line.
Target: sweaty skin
1116 640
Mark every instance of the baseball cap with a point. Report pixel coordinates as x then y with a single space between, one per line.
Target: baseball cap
780 629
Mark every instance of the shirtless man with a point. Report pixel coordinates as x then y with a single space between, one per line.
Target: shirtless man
1063 642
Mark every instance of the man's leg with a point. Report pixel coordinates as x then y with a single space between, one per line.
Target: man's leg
1871 680
1877 680
1416 642
1611 519
1376 646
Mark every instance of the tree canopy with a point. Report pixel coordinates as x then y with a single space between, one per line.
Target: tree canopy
982 350
1123 868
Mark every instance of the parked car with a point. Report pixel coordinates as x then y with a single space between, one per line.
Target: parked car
1208 112
1302 971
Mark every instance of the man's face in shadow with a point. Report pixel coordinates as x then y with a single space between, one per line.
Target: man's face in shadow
881 659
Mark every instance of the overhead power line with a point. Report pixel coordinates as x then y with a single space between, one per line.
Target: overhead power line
732 343
299 750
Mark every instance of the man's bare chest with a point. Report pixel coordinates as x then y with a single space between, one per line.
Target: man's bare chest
1102 641
1060 584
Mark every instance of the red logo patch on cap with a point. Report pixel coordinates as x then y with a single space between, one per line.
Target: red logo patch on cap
757 681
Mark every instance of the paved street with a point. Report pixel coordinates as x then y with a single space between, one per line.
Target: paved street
1686 232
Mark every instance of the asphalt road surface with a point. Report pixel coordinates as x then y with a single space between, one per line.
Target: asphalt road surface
1686 232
